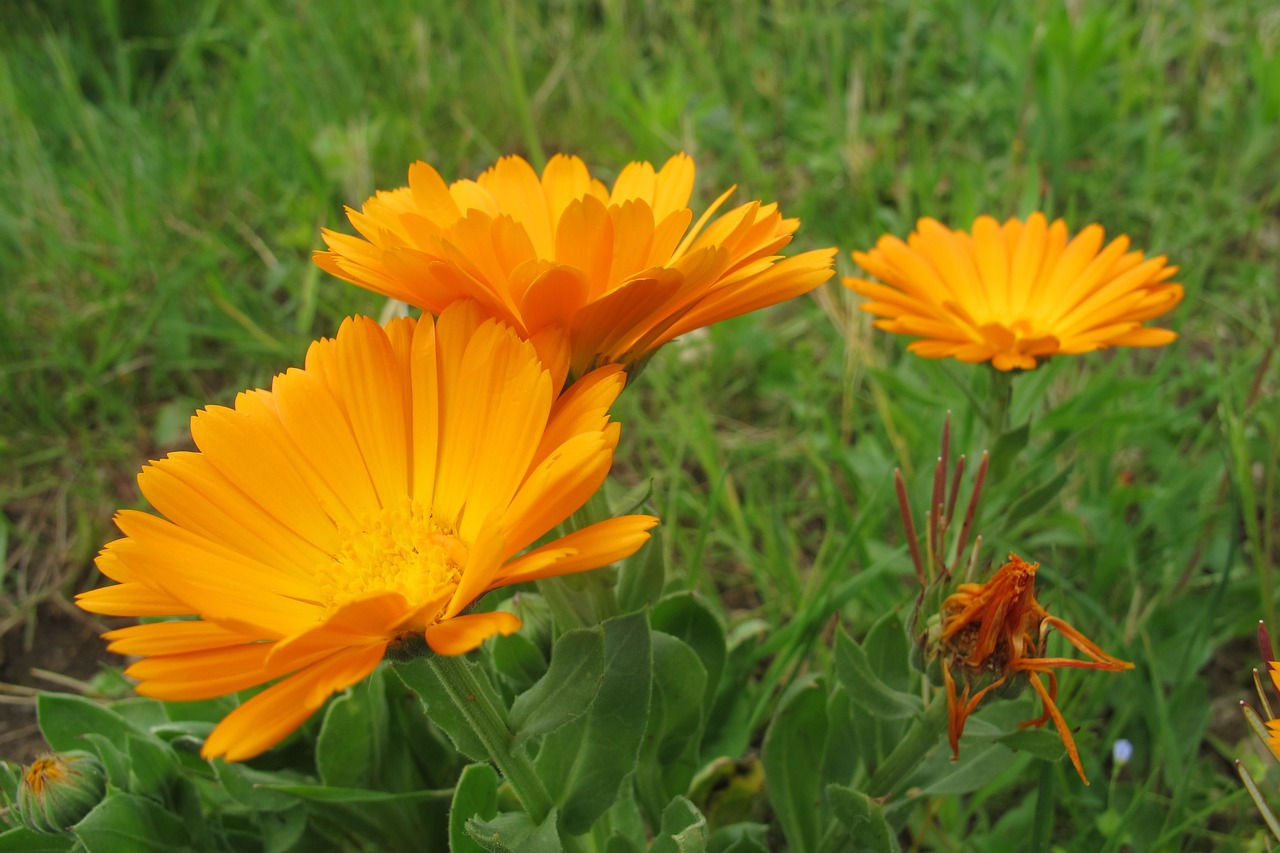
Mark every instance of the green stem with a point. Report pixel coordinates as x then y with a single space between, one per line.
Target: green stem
998 406
924 734
489 725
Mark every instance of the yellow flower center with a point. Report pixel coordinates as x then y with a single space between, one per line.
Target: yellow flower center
402 548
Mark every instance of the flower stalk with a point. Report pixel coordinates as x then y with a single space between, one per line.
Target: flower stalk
490 727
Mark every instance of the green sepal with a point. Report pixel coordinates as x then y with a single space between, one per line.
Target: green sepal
792 753
566 691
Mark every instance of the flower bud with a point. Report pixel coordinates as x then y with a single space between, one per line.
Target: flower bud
58 790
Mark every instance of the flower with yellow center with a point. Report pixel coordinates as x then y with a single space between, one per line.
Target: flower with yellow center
1014 293
368 498
609 273
994 631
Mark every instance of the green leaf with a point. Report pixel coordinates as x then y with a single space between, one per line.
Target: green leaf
683 830
1042 743
328 794
840 753
1006 449
584 763
64 719
113 760
642 576
865 687
153 763
22 840
566 691
518 659
683 615
1034 500
250 788
476 796
351 749
864 818
127 822
740 838
515 832
889 651
792 752
668 759
419 677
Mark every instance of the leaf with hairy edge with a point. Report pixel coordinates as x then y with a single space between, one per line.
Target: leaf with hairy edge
864 819
584 763
684 829
475 796
515 832
566 691
865 687
792 754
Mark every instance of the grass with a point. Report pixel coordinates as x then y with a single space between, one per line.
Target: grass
167 171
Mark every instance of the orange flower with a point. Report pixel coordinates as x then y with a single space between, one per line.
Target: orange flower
366 499
612 274
997 629
1013 293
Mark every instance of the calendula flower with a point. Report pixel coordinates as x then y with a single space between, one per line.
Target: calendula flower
611 274
367 499
1014 293
994 631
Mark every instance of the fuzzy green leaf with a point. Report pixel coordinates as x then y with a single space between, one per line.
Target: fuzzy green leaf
22 840
642 576
686 617
515 832
584 763
867 691
566 691
792 753
864 819
127 822
684 829
475 796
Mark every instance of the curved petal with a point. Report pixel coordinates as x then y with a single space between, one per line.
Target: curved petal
461 634
273 714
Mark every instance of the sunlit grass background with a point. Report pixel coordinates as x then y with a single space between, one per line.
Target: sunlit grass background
166 168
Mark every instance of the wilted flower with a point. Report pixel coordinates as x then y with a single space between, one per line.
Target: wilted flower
366 499
609 274
1014 293
58 790
994 631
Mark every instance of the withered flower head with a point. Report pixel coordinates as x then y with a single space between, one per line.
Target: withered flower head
994 631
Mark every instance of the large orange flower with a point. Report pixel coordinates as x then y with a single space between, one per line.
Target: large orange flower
365 499
1013 293
611 273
